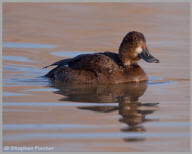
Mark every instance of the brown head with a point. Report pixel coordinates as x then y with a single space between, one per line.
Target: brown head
133 48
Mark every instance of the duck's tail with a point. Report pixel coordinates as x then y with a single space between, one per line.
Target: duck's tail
50 74
60 63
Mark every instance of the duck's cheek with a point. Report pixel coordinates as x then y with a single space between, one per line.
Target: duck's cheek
133 55
135 58
138 50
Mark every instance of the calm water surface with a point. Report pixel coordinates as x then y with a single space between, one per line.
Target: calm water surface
147 116
122 115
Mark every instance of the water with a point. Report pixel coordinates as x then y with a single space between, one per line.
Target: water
26 45
147 116
113 112
69 53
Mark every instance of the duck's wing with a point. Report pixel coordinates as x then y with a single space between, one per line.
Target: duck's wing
113 56
96 62
68 61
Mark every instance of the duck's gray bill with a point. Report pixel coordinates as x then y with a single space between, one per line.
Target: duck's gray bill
145 55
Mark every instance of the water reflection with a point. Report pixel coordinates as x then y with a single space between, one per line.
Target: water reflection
133 112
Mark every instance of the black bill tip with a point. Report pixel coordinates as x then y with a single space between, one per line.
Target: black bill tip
156 61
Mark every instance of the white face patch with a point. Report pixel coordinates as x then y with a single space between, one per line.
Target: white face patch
139 50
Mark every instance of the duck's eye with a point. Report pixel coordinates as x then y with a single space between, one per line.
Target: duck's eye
139 50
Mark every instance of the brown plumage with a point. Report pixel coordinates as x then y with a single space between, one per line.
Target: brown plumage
127 47
106 67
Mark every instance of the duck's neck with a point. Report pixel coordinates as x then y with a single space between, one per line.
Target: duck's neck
127 62
126 56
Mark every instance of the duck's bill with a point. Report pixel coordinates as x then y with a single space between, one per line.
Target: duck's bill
145 55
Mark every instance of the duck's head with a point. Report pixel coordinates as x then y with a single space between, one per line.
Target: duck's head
133 48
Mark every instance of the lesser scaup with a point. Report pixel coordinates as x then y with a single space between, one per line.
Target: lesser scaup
106 67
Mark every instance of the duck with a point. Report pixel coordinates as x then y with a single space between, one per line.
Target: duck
106 67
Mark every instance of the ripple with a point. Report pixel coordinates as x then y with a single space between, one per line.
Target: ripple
42 90
51 126
91 135
154 80
13 94
56 104
22 68
26 45
18 59
70 53
160 82
168 124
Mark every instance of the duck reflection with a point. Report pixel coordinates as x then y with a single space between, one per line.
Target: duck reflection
133 112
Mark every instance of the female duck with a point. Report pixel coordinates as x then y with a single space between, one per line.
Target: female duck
106 67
